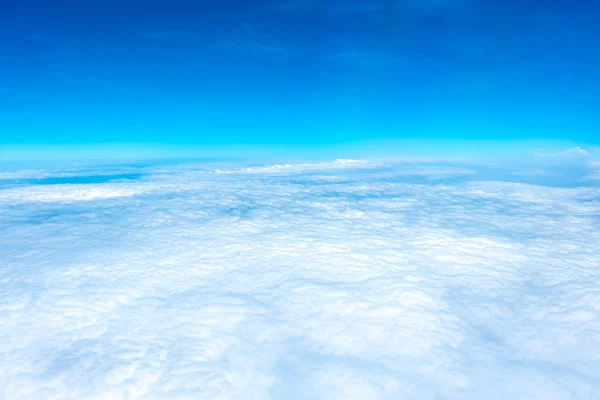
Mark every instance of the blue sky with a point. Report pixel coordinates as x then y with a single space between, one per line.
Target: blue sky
296 73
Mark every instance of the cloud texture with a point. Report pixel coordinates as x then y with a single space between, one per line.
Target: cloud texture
341 280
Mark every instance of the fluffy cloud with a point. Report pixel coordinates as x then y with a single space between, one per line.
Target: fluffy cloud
340 280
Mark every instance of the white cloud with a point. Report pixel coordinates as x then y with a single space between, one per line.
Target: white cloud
68 193
572 152
302 167
339 280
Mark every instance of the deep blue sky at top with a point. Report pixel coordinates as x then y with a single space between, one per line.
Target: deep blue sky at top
297 71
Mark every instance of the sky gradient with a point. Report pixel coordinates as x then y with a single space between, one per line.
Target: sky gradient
296 74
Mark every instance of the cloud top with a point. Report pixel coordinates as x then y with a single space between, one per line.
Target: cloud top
340 280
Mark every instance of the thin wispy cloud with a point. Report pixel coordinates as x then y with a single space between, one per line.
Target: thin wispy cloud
350 7
246 38
328 7
367 58
570 153
249 39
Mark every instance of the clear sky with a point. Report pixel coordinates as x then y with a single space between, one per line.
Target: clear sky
297 73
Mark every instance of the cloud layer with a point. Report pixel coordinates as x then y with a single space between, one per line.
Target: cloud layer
341 280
